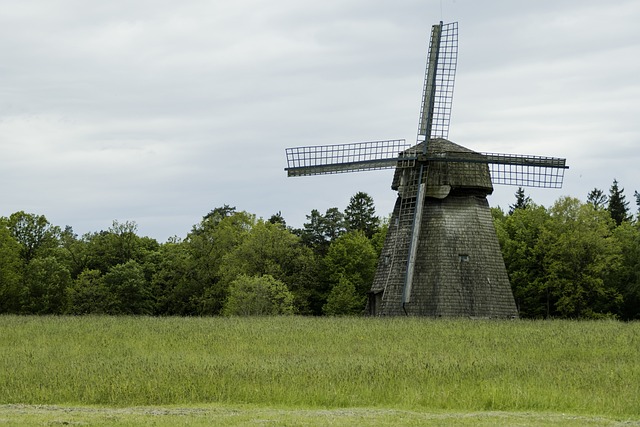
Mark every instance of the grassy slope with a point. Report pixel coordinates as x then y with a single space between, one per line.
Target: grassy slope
415 365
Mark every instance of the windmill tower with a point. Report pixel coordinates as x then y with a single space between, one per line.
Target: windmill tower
441 256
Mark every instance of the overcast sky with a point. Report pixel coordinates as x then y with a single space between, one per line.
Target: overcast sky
159 111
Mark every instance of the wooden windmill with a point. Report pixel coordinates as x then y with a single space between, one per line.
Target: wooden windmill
441 256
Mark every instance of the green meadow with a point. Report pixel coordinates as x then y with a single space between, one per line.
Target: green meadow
317 371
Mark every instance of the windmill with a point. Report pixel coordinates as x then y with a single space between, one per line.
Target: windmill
441 255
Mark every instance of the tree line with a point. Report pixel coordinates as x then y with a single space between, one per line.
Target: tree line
572 260
230 263
575 259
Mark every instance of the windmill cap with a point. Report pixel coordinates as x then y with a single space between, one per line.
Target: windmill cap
449 166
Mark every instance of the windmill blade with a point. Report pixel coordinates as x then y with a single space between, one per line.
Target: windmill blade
437 92
513 169
342 158
526 171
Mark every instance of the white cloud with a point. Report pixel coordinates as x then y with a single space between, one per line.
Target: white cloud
159 111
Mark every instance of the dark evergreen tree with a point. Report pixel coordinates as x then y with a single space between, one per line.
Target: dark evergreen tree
277 218
618 206
333 224
522 201
637 196
360 214
597 199
220 213
320 230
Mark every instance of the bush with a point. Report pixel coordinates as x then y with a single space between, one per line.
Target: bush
257 296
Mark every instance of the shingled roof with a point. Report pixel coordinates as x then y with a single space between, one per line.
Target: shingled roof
449 167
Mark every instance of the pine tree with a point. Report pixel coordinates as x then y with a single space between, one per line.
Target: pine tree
597 198
360 214
277 218
618 206
522 201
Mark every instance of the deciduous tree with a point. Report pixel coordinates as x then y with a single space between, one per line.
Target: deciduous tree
353 258
258 296
627 278
519 234
45 285
129 291
580 257
344 300
10 272
36 236
207 244
88 294
270 249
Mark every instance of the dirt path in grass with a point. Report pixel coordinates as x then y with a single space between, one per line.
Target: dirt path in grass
39 415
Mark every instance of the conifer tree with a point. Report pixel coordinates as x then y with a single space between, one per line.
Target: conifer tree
597 198
618 206
522 201
360 214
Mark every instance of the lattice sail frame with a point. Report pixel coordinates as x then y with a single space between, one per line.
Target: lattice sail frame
437 90
343 158
435 115
513 169
506 169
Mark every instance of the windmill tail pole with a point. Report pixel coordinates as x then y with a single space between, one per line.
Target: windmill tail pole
413 244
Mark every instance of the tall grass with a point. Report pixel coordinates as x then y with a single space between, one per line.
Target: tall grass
408 363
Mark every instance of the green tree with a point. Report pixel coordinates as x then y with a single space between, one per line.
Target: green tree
277 218
36 236
218 214
580 257
522 201
46 280
597 199
270 249
320 230
73 251
637 196
360 214
379 237
10 272
175 283
353 258
519 235
207 244
618 206
117 245
627 278
258 296
344 300
88 294
129 291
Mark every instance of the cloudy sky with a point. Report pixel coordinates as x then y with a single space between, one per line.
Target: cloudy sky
158 111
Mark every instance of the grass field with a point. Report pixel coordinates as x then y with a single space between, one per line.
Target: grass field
309 371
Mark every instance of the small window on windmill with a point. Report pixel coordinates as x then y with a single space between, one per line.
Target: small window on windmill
463 257
387 259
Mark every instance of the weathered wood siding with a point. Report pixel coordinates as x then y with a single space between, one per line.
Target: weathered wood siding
459 268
